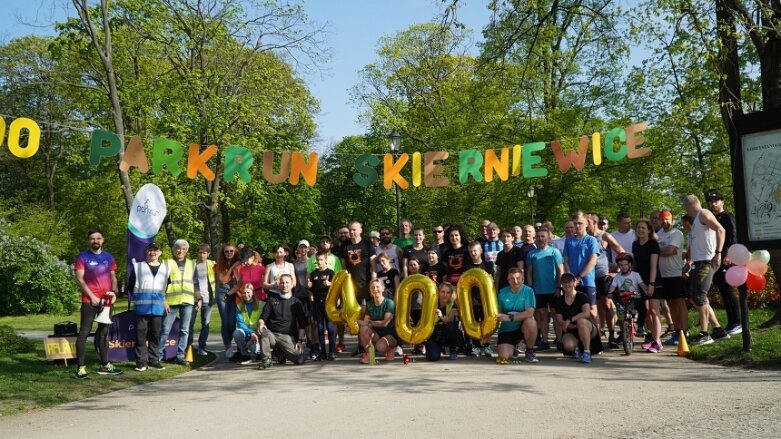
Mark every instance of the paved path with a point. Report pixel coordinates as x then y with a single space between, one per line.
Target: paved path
641 396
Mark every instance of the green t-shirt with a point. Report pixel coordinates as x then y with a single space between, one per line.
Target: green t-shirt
515 302
331 261
377 312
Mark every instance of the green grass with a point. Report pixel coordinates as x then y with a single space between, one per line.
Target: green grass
29 381
765 353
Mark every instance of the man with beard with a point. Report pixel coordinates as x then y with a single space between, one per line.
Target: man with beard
97 280
394 251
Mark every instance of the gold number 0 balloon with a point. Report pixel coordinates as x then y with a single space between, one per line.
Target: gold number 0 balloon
422 331
477 277
350 311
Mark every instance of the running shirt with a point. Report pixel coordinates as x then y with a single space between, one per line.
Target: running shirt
510 301
578 251
543 262
97 268
702 241
671 266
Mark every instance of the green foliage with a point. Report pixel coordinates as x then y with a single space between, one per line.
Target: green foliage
10 343
34 280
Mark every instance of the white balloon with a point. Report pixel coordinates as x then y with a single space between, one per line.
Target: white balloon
738 254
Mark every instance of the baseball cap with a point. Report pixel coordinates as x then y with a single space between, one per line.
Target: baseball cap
713 195
303 242
666 214
374 234
602 221
153 245
326 238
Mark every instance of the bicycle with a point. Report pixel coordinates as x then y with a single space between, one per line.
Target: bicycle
626 306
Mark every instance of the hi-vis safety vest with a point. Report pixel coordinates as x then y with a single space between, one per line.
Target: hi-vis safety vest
181 290
252 319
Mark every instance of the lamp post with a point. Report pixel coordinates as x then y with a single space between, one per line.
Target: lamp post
530 194
395 147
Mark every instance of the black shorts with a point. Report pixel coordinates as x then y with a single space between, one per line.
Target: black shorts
673 288
545 300
594 331
512 337
603 284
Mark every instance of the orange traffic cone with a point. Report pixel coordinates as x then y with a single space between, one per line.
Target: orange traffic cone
188 355
683 346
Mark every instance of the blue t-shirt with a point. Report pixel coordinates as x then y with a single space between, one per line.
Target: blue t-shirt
515 302
543 263
578 252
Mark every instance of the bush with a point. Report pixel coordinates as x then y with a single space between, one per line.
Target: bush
34 281
10 343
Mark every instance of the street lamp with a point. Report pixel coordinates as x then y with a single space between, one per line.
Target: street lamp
530 194
395 147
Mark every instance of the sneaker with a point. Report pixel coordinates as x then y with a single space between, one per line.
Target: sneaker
245 359
654 348
109 369
390 354
454 354
521 347
501 361
81 373
364 358
559 346
640 331
140 368
734 330
719 334
156 366
265 364
202 352
672 341
612 344
331 356
475 352
543 346
339 347
576 354
488 352
314 354
235 358
399 350
648 337
183 362
702 339
669 330
531 357
229 352
586 358
648 344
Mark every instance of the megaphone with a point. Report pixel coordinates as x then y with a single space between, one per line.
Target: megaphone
104 316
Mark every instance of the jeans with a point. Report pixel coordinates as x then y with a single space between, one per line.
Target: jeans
448 335
88 313
206 316
148 339
185 313
283 343
240 337
227 314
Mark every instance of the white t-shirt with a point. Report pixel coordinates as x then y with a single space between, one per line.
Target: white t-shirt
627 282
625 239
671 266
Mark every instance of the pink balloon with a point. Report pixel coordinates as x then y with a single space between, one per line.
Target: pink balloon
757 266
736 275
738 254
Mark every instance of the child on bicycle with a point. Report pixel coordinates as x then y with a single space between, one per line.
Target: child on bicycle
626 279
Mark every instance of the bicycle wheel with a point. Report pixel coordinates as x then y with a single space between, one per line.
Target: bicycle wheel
627 335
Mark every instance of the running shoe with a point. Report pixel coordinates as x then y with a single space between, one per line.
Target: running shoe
454 354
185 363
719 334
245 359
331 356
654 348
235 358
364 358
390 355
399 350
648 344
521 347
140 368
488 352
612 344
109 369
672 341
640 331
81 373
340 347
531 357
734 330
476 352
157 366
202 352
314 354
702 339
543 346
586 358
576 354
265 364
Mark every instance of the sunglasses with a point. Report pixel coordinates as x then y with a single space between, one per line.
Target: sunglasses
438 231
230 251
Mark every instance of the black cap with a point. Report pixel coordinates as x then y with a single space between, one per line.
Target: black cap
246 253
153 245
713 195
602 220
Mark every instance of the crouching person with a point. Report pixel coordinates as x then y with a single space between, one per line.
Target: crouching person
377 327
282 325
580 336
247 319
446 332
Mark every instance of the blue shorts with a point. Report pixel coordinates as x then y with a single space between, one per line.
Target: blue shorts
591 292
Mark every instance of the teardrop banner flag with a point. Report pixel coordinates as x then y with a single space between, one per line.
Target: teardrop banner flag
143 223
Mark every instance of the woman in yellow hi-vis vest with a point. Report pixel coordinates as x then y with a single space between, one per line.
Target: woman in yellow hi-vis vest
179 299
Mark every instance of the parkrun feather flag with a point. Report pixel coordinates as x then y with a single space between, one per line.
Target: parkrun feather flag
143 223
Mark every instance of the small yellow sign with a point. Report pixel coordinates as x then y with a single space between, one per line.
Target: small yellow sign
60 348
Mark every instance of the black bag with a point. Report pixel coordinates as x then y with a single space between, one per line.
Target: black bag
65 329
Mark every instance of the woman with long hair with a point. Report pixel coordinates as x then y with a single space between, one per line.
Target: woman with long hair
227 271
645 250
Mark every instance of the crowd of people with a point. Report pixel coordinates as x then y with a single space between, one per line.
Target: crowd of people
277 312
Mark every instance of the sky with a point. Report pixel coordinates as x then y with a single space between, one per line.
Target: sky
355 27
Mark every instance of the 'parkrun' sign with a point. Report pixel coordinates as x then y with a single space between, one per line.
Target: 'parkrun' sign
426 168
